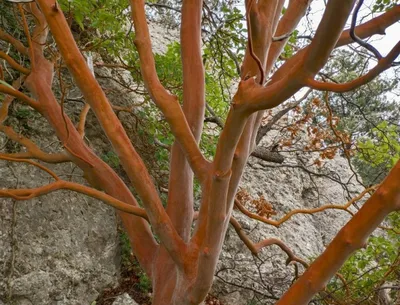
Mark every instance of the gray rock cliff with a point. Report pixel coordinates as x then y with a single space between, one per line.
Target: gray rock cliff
243 279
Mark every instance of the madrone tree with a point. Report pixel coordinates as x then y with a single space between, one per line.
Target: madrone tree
176 247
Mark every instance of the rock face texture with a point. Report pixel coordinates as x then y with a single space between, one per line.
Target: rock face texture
124 299
61 248
243 279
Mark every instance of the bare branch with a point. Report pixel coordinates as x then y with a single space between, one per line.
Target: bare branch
357 39
277 223
13 63
33 151
327 35
382 65
13 41
25 194
350 238
19 95
263 130
267 155
256 248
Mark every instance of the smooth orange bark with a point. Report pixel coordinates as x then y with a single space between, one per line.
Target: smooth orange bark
182 264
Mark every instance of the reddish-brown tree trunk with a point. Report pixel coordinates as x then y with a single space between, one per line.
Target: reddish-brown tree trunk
182 264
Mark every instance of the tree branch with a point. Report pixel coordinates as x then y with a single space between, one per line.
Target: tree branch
96 171
357 39
13 63
18 94
377 25
255 248
267 155
327 35
287 24
26 194
382 65
263 130
374 26
14 42
167 103
130 160
33 151
180 195
278 223
350 238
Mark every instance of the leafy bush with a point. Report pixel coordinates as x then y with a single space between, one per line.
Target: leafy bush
367 270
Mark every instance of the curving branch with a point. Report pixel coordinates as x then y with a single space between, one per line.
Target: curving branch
383 64
6 157
33 151
82 119
9 99
26 194
255 248
18 94
277 223
377 25
357 39
351 237
13 63
18 45
27 35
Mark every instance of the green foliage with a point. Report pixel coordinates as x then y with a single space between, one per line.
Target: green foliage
366 269
382 147
144 282
383 5
364 108
169 70
111 159
289 47
107 28
23 113
125 248
377 153
361 111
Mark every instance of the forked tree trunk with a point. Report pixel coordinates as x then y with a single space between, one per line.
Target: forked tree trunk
183 263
